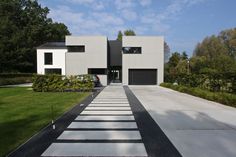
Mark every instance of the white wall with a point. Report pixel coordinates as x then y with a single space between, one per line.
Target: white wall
95 55
58 60
152 56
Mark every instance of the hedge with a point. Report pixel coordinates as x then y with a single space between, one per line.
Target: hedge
15 78
221 97
59 83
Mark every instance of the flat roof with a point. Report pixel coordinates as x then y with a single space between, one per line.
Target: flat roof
52 45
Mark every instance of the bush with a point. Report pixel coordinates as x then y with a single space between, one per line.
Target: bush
15 78
58 83
221 97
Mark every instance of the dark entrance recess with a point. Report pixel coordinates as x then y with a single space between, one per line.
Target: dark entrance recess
114 61
142 76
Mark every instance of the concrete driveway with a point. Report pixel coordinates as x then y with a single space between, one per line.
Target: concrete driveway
195 126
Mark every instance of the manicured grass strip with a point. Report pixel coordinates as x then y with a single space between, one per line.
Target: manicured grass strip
221 97
24 113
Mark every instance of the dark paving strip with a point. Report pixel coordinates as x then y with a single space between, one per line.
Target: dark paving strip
104 120
105 110
41 141
99 129
109 103
156 142
98 141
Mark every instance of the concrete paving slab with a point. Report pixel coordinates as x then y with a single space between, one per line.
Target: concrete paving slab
100 135
197 127
107 112
186 120
102 149
204 143
117 104
107 108
114 118
104 125
112 102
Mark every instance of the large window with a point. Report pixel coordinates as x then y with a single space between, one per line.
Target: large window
132 50
53 71
100 71
79 48
48 58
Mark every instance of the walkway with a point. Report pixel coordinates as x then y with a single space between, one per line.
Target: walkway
196 127
105 128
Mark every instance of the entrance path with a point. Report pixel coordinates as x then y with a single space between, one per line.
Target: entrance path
196 127
106 127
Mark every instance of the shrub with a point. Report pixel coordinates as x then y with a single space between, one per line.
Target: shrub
18 78
221 97
58 83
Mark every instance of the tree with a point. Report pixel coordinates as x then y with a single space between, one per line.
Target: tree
174 59
184 56
210 47
228 37
119 36
166 52
129 32
24 26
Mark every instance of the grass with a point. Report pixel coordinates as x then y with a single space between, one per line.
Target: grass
24 112
221 97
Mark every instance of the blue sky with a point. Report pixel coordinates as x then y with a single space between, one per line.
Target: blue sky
183 23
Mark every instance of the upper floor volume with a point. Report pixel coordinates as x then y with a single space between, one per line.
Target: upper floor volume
136 60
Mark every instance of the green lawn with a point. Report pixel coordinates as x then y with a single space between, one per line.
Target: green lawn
24 112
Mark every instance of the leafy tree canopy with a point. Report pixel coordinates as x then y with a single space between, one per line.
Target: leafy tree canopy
24 25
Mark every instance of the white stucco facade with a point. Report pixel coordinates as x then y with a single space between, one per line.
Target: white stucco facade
95 55
151 57
58 59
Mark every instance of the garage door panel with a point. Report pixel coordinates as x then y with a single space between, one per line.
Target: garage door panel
142 76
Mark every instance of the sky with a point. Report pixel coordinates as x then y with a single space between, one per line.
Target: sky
183 23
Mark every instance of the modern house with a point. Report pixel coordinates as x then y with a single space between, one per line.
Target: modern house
136 60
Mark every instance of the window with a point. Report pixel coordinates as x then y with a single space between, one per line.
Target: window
100 71
80 48
132 50
48 58
53 71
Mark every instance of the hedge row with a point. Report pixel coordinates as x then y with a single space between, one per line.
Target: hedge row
58 83
15 75
213 81
221 97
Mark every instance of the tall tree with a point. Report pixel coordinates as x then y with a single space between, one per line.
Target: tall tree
23 26
166 52
228 37
210 47
119 36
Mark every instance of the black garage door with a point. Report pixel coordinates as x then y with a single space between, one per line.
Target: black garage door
142 76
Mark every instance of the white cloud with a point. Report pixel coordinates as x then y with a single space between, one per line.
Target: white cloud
158 22
94 23
93 4
129 15
121 4
145 2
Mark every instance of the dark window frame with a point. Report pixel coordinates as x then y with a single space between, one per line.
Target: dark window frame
76 48
50 71
97 71
48 61
132 50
